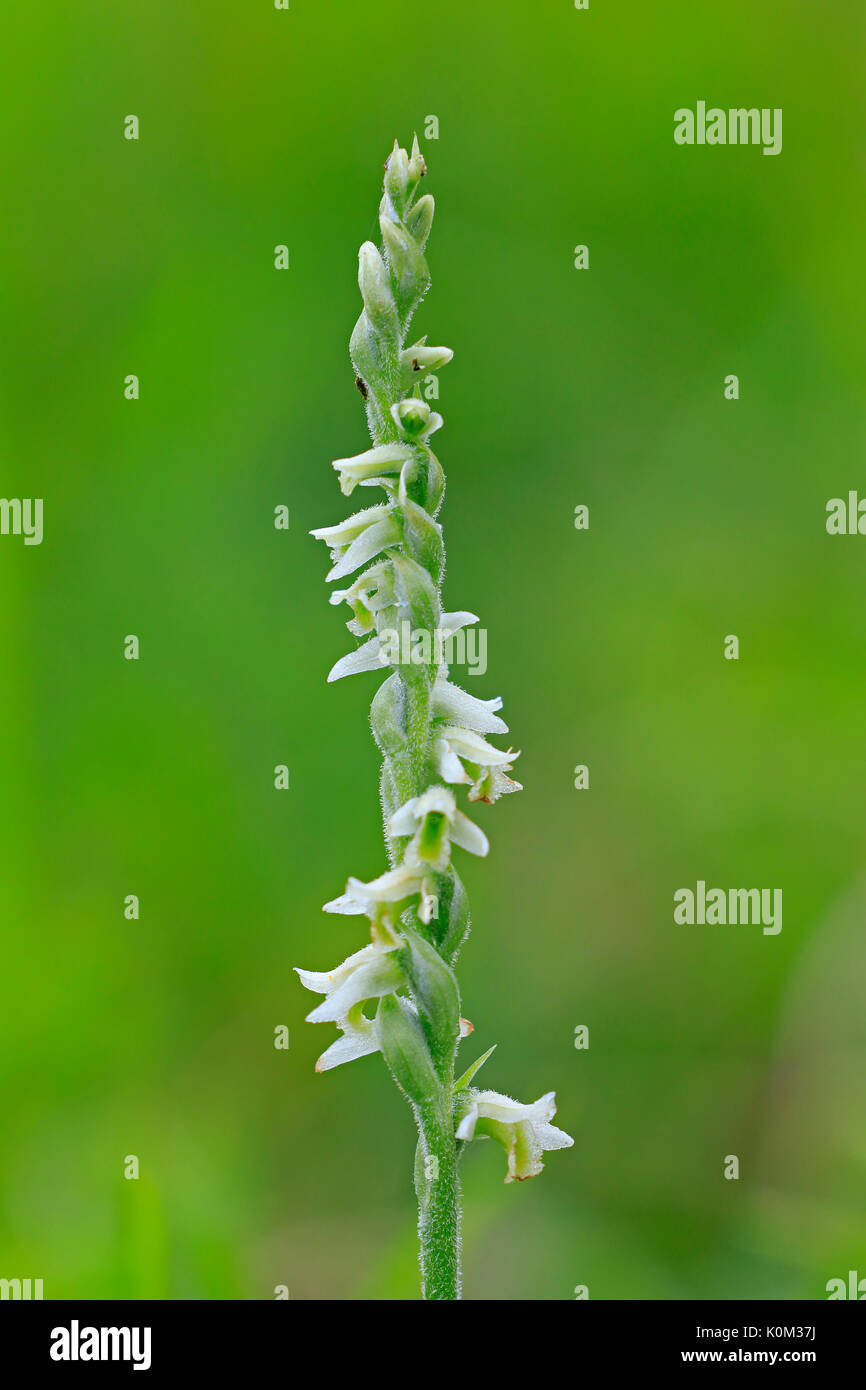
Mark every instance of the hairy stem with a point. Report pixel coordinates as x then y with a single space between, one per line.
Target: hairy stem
438 1190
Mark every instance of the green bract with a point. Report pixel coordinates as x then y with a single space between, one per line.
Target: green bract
398 995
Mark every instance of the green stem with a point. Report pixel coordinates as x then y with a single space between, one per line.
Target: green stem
436 1184
438 1191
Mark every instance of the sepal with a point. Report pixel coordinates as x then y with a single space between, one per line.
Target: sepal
405 1049
422 536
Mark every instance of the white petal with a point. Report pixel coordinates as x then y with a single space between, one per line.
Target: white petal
346 904
353 526
449 701
549 1137
448 764
323 981
468 836
373 460
370 981
355 1042
364 658
387 888
316 980
494 1106
404 821
365 546
453 622
466 1128
467 744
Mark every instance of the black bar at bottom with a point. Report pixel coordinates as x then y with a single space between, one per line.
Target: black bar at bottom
219 1339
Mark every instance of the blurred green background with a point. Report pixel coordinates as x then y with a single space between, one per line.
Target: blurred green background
602 387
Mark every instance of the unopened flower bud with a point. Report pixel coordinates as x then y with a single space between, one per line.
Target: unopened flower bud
412 415
417 167
397 175
419 219
375 285
415 417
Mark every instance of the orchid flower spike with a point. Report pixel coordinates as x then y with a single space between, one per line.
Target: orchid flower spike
398 994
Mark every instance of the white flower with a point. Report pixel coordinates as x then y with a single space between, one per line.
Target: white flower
487 765
435 823
372 590
371 467
364 898
359 538
524 1131
385 896
421 358
415 418
368 974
